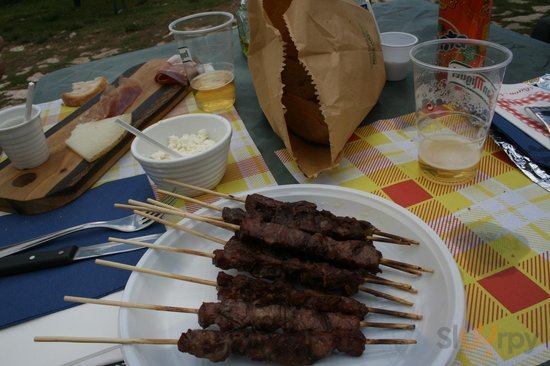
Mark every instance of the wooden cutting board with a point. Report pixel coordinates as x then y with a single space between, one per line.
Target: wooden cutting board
65 176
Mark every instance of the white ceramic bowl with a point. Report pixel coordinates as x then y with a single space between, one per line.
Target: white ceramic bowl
204 169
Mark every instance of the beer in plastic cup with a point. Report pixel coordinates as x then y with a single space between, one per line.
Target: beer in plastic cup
455 102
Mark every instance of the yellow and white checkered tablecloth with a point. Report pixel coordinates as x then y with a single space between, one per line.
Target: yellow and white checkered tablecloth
496 227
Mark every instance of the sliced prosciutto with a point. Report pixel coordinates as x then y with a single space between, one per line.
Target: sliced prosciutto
172 72
113 101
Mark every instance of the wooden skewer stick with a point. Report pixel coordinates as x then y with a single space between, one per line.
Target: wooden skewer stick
105 340
397 314
171 210
172 341
385 296
159 207
154 203
180 227
133 305
141 207
192 200
411 266
219 194
128 207
199 281
397 237
384 262
155 272
390 341
222 242
385 282
162 247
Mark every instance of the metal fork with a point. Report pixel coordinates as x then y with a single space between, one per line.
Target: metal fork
127 224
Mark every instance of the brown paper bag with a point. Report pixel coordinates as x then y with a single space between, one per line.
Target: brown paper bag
318 70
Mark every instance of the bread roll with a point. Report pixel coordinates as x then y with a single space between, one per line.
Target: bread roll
83 91
91 140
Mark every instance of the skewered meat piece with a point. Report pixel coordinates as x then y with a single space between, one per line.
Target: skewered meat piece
234 215
353 254
261 292
233 314
307 217
264 264
288 348
309 220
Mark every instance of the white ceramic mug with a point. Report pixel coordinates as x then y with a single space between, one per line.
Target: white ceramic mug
23 141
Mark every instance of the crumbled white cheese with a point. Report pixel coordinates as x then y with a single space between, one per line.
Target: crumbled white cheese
187 144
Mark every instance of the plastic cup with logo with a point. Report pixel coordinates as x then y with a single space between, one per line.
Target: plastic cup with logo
396 47
455 102
205 45
23 141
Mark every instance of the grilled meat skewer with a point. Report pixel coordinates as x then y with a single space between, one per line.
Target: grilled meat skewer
318 275
304 214
263 264
321 245
311 301
233 314
288 348
351 254
366 258
262 292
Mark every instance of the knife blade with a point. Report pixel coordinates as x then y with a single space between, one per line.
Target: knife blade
28 262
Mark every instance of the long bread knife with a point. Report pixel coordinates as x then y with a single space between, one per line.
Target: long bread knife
28 262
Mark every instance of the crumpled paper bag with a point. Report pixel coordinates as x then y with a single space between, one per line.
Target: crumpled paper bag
318 70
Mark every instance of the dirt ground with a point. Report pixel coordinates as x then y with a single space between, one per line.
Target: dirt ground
25 62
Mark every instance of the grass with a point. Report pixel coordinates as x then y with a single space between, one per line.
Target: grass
504 12
61 31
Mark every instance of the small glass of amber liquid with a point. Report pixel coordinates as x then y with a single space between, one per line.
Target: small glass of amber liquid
205 45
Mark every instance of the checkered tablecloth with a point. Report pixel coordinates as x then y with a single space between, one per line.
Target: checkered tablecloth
496 227
246 168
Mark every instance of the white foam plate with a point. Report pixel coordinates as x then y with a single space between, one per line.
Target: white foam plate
440 296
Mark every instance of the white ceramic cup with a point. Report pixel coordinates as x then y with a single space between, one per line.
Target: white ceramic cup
396 47
23 141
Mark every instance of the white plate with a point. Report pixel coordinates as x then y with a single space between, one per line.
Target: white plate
440 295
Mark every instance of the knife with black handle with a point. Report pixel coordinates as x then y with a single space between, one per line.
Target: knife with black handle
28 262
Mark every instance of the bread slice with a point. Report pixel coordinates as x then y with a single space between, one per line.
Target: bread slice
83 91
91 140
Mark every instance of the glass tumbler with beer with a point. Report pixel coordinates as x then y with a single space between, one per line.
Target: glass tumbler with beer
205 45
455 101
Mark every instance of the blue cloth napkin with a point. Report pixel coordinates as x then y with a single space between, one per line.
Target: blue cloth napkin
34 294
525 143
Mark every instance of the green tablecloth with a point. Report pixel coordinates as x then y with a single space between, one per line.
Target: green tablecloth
413 16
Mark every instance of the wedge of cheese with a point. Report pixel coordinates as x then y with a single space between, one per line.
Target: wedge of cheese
91 140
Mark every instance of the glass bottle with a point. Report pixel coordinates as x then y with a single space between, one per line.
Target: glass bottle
464 19
242 24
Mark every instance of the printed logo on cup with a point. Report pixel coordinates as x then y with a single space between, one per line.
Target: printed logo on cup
185 54
477 84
